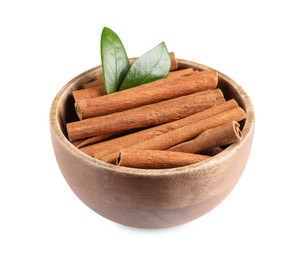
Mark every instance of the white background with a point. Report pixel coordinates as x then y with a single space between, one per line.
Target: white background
44 44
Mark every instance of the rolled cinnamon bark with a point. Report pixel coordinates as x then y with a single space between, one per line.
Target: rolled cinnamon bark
144 116
92 140
91 92
182 134
108 147
145 94
154 159
98 138
178 73
97 88
185 133
173 61
218 136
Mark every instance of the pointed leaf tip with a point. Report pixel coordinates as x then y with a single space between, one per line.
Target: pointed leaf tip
115 62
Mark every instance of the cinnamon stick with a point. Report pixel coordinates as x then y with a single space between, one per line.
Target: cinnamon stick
144 116
96 89
218 136
154 159
174 62
91 92
95 139
92 140
145 94
182 134
116 144
179 73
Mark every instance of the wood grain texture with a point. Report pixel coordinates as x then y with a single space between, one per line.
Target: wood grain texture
149 198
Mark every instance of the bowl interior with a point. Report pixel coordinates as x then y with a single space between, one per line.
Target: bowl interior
68 114
64 112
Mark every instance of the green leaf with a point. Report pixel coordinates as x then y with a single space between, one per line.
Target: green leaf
151 66
115 62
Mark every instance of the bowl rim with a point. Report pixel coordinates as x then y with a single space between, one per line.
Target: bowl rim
215 160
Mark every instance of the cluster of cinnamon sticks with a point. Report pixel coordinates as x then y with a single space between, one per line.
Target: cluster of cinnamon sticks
172 122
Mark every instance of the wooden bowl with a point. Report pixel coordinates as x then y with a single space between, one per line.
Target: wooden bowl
149 198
